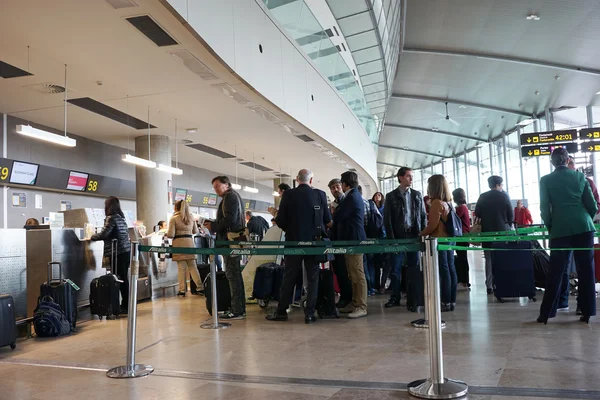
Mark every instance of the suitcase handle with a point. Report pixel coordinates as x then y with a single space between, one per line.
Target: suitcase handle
113 257
50 264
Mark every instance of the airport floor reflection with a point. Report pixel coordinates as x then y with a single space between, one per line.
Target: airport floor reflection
487 344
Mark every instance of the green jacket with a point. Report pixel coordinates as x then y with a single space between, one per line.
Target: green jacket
566 203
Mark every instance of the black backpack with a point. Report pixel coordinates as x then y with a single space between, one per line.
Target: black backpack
49 319
374 228
453 223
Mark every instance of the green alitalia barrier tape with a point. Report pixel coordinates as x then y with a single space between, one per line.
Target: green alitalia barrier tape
322 243
371 249
490 239
442 247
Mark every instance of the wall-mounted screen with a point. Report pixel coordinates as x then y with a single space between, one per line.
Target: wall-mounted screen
180 194
23 173
212 199
77 181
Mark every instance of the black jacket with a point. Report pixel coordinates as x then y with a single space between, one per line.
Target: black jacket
115 227
296 215
349 218
258 226
495 210
393 214
230 215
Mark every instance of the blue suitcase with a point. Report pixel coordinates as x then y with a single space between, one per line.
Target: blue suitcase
513 270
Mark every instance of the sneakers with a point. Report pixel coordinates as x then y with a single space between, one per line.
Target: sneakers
563 309
348 309
357 313
230 315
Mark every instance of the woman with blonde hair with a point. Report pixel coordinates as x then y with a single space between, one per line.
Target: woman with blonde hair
181 228
441 205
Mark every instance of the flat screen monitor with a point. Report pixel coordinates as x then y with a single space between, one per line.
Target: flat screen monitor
24 173
212 199
180 194
77 181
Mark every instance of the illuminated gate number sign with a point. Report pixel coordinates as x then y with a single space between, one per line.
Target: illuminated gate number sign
546 150
528 139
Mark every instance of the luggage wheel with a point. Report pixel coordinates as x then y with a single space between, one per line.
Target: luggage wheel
303 301
532 298
13 345
263 303
500 299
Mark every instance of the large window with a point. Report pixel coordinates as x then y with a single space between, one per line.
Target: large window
485 170
472 177
513 161
498 159
449 173
417 181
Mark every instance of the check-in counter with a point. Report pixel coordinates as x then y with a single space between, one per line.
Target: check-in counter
162 272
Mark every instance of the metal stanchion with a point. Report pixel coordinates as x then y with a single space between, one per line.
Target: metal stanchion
131 370
215 324
423 323
436 386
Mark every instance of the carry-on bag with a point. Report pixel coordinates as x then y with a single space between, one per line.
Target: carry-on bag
223 293
415 288
49 320
8 327
104 290
597 261
541 264
204 271
513 270
326 295
62 292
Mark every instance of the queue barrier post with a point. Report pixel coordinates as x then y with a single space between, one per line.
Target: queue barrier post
131 369
423 323
436 386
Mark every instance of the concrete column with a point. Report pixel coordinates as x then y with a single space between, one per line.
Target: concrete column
151 185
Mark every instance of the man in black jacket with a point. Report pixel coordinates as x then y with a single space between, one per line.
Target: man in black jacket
304 216
230 218
339 264
404 216
256 224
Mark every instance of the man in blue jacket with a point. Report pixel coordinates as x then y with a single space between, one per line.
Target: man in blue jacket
348 223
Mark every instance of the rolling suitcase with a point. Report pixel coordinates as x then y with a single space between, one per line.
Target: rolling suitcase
8 327
204 271
264 282
415 288
104 290
513 270
597 261
325 306
62 292
223 293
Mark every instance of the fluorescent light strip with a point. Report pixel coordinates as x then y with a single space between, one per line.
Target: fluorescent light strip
30 131
172 170
128 158
250 189
235 186
275 193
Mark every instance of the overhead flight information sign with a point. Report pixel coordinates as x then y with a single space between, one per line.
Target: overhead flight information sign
546 150
548 137
590 134
591 147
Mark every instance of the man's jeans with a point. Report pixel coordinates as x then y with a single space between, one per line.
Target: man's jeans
412 260
233 272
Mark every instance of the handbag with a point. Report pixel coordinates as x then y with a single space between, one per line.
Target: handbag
319 236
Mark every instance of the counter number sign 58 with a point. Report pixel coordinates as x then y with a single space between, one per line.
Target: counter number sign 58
92 186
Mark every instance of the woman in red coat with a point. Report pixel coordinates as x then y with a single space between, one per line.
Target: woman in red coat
462 262
522 215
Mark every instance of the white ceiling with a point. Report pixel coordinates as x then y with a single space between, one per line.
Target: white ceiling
98 44
565 34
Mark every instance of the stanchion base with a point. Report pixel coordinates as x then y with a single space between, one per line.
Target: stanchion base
424 324
221 325
125 371
450 389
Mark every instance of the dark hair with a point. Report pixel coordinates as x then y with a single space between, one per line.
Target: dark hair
222 179
334 181
560 157
402 171
249 213
494 181
460 197
349 178
160 223
112 206
283 187
359 189
382 199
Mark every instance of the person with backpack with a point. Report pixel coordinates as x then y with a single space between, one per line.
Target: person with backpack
442 223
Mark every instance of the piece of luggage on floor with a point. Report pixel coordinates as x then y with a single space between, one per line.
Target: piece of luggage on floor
597 261
415 288
8 327
223 293
513 270
264 281
277 281
325 306
104 291
541 263
62 292
204 271
49 320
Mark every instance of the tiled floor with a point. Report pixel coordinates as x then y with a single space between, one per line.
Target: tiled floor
486 344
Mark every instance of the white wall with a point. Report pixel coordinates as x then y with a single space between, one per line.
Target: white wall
234 29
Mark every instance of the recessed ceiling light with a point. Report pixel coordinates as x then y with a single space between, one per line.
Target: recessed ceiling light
462 106
520 105
434 129
533 17
191 130
537 92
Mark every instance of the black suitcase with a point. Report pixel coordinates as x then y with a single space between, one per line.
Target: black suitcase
541 264
223 293
8 326
326 295
62 292
513 270
264 281
104 291
204 271
415 288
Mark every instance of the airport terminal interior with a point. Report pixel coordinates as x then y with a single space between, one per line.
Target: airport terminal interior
149 100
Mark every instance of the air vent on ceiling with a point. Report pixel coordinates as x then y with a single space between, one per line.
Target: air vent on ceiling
329 32
230 92
282 175
288 128
47 88
194 65
10 71
152 30
112 113
256 166
268 115
185 141
210 150
305 138
117 4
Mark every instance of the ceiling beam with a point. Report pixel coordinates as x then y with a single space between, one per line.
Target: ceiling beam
416 128
390 165
492 57
457 102
411 151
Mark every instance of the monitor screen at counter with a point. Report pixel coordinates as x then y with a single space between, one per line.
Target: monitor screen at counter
23 173
77 181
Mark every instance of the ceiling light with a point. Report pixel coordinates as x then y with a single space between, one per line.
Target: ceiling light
172 170
128 158
533 17
191 130
598 92
434 129
27 130
250 189
236 186
526 122
275 193
462 106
